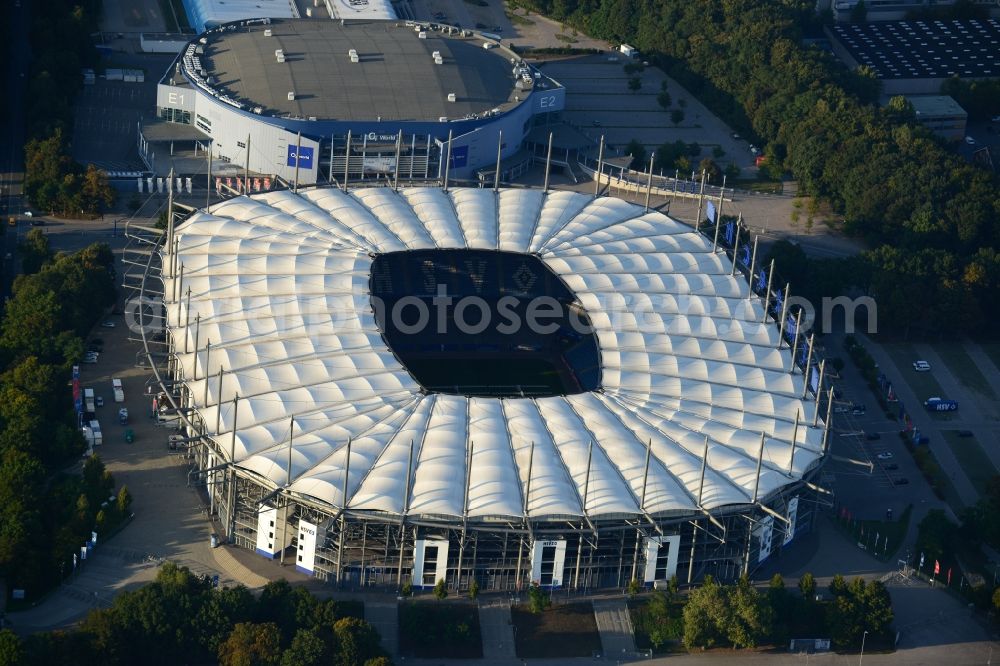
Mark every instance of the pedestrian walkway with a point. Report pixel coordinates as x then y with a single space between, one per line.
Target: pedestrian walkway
385 618
615 626
235 571
497 629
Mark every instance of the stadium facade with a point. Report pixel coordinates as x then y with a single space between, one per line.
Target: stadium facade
693 454
311 101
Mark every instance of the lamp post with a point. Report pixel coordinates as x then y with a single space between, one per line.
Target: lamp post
863 637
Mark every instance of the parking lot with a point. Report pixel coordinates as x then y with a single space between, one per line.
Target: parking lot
599 102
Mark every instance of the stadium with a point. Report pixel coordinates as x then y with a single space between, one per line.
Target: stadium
348 400
318 101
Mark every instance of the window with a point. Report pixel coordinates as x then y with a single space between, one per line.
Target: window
203 123
175 115
662 558
548 565
240 144
429 574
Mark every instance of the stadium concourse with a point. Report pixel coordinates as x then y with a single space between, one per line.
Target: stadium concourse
673 434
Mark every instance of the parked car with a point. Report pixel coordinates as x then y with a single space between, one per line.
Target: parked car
921 366
965 433
872 436
108 324
99 401
900 481
969 140
885 455
858 410
890 467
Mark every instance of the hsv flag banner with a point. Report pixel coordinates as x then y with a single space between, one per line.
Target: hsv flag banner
790 326
779 300
710 211
761 280
949 575
745 257
730 232
267 183
803 355
921 561
218 183
937 567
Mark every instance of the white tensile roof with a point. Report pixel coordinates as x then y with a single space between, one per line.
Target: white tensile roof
279 287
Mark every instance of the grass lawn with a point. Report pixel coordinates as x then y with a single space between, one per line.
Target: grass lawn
758 185
966 370
895 530
569 630
924 384
440 630
977 465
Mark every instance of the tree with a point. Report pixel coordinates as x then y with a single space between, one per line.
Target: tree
637 152
838 586
677 116
474 589
251 645
750 616
660 620
357 642
407 589
96 192
11 650
807 585
307 649
859 12
664 100
538 599
440 589
705 613
633 588
34 251
123 501
711 169
634 84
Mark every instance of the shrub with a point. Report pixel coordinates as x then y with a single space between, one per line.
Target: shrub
440 589
538 599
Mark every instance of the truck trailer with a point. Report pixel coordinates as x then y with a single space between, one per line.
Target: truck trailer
940 405
116 384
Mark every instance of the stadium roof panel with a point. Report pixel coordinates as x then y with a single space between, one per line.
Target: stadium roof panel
395 77
280 285
924 49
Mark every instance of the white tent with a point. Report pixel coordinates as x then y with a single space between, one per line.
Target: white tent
279 285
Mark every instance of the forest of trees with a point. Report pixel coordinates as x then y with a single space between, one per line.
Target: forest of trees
743 616
181 619
46 515
932 218
61 46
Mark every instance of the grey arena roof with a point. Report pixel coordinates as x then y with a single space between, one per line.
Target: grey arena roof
396 78
924 49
